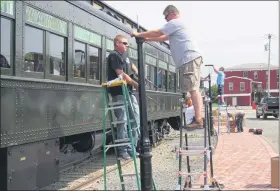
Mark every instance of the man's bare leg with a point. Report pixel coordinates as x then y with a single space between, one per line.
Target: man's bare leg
197 104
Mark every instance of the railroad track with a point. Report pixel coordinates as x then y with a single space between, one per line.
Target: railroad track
79 175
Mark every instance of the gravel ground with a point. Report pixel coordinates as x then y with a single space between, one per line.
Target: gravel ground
164 164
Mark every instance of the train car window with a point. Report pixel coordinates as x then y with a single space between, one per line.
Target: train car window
45 20
33 47
8 7
79 67
94 62
153 76
150 71
178 81
171 61
97 6
162 75
109 44
129 24
172 81
132 54
6 53
106 66
163 56
150 74
87 36
172 78
161 79
57 55
150 60
150 50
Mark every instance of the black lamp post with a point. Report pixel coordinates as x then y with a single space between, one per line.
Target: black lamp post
210 103
145 154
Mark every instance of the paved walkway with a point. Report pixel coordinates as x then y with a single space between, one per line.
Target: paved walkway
242 161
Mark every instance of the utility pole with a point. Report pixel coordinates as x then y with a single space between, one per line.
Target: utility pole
267 48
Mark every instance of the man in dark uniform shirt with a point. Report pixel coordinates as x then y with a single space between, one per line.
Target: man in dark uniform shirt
132 71
116 67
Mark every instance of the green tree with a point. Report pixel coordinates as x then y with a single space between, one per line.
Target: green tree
214 91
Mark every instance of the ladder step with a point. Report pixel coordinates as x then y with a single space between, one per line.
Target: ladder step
194 147
191 173
196 185
117 145
195 137
116 103
122 140
117 107
192 152
120 122
197 166
191 188
128 174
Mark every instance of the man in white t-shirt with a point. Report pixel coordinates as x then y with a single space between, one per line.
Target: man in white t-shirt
185 55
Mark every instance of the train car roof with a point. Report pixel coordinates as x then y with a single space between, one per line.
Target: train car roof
118 12
106 17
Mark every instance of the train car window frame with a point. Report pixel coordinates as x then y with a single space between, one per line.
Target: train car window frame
11 62
90 80
49 24
148 66
32 74
48 58
88 44
80 79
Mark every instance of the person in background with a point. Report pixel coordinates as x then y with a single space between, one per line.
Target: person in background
220 83
185 54
188 100
239 116
116 67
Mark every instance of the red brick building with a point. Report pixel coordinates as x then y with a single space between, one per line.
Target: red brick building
249 82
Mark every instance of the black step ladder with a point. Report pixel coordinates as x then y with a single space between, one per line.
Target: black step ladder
204 150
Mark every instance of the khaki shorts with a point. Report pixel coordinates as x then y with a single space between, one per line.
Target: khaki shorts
190 75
